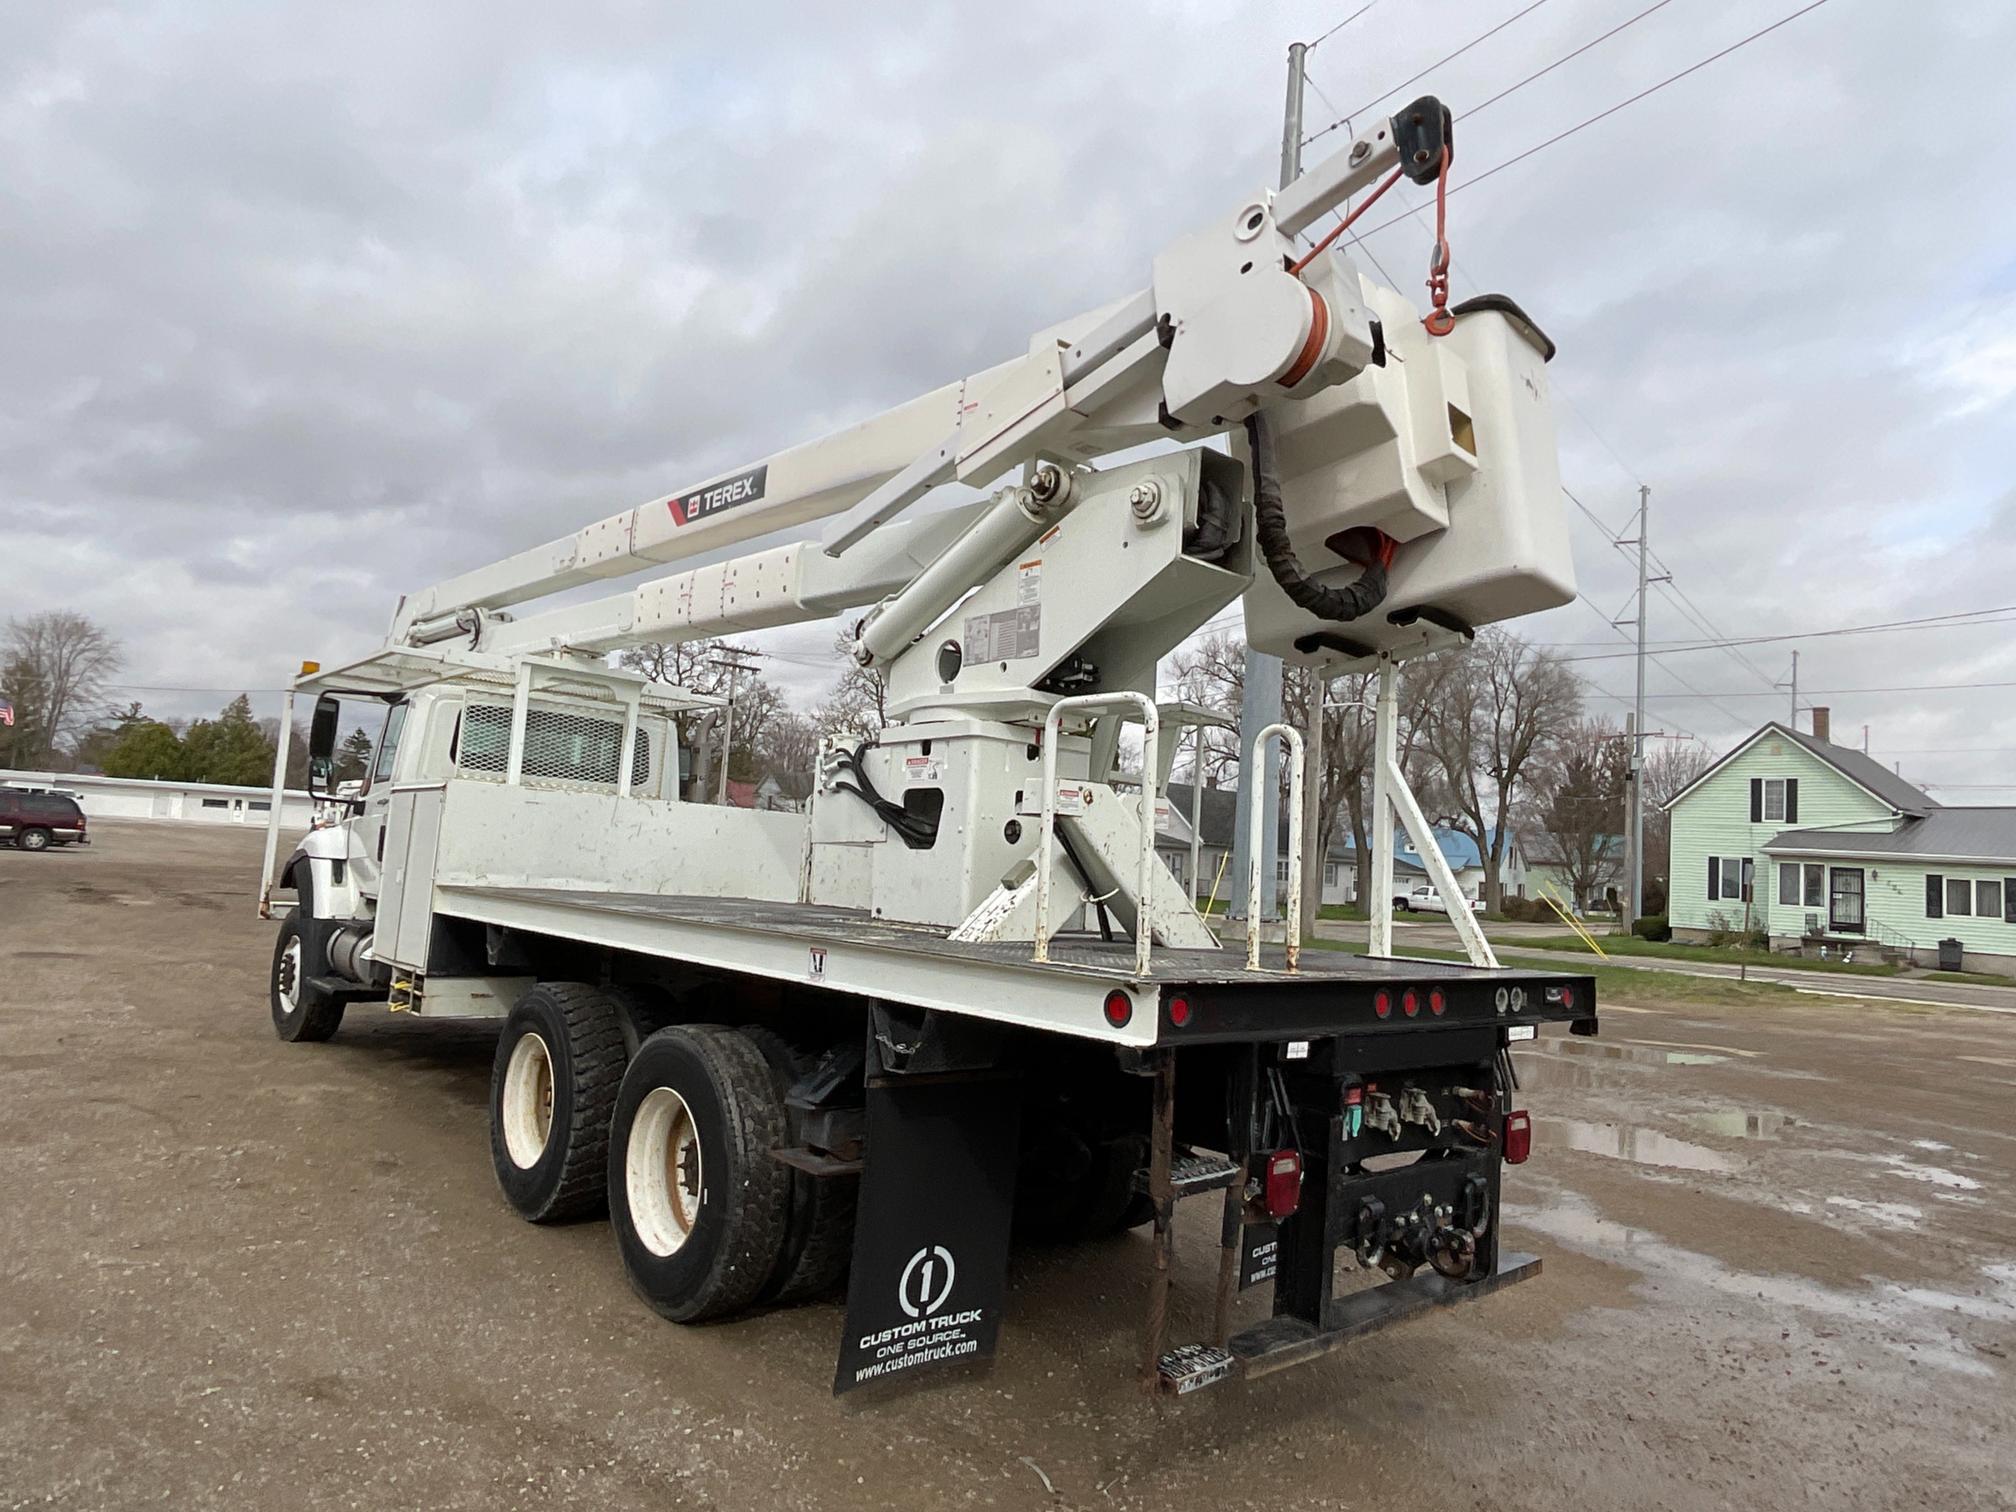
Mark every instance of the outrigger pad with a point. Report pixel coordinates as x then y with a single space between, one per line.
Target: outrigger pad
931 1232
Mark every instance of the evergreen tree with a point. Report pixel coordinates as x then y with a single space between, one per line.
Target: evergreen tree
352 757
145 748
230 749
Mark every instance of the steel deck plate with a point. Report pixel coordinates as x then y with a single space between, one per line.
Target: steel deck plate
818 924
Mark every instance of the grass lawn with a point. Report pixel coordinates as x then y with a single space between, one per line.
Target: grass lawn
1713 955
1327 911
1983 978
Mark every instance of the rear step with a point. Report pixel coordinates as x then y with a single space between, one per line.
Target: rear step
1280 1342
1193 1174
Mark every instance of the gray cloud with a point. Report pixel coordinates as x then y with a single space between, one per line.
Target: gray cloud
309 307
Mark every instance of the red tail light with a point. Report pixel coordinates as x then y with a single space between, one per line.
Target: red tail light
1436 1002
1410 1002
1119 1008
1382 1003
1284 1183
1518 1137
1179 1011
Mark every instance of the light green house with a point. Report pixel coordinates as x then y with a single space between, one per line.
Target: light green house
1817 844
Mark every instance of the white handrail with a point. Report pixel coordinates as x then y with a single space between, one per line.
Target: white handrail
1292 739
1046 835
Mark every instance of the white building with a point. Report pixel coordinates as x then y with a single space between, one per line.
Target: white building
146 798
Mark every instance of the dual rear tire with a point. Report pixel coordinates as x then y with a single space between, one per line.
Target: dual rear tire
674 1140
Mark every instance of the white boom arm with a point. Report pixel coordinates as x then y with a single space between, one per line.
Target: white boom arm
1223 329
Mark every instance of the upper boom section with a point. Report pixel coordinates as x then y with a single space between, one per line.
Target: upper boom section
1224 328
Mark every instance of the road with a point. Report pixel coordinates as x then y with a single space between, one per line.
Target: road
1780 1272
1505 940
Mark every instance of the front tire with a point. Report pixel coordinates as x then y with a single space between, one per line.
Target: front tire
33 840
552 1088
698 1205
302 1012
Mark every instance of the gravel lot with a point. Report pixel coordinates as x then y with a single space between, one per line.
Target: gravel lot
1779 1242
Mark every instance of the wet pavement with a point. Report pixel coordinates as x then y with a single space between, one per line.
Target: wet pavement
1779 1246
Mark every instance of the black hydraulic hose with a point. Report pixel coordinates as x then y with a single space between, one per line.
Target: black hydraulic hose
1270 528
915 829
1085 877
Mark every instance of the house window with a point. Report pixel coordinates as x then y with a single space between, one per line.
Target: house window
1330 874
216 803
1959 897
1732 878
1774 799
1816 885
1281 872
1788 883
1988 899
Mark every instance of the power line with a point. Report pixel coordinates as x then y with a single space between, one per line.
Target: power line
1511 89
1832 692
1960 620
1340 26
1450 58
1602 115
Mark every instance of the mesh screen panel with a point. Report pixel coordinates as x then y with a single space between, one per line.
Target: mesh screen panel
559 746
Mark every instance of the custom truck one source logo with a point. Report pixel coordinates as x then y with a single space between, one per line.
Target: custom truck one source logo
927 1281
715 497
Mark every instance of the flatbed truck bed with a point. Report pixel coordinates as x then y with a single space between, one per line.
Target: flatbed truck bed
848 950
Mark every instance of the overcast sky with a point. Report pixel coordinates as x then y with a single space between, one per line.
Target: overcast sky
306 306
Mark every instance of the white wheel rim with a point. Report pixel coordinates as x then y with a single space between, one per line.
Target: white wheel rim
290 974
528 1101
662 1171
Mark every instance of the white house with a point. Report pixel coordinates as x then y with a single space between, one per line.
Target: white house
148 798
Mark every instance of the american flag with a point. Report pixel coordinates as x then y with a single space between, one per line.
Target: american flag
6 712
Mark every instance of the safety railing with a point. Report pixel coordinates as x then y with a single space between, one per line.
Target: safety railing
1257 812
1046 835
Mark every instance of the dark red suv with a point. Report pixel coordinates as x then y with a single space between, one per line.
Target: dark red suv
37 821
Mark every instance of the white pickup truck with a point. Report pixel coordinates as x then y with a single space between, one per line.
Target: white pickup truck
1428 900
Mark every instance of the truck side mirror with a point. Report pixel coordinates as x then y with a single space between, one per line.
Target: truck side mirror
322 742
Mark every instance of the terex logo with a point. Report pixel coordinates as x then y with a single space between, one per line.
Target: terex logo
715 497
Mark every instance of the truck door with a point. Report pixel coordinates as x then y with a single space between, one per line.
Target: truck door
368 855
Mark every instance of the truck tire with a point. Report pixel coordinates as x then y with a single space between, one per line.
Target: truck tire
552 1089
819 1229
301 1011
698 1205
33 838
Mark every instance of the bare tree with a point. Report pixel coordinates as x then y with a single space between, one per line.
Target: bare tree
1212 673
858 706
54 670
1489 719
1582 815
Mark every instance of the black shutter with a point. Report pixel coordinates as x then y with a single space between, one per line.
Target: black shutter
2009 900
1756 800
1791 800
1935 896
1714 878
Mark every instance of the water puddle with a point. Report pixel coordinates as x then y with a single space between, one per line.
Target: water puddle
1911 1321
1890 1215
1580 1064
1734 1123
1622 1142
1932 1175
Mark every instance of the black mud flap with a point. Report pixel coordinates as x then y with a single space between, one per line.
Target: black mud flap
931 1233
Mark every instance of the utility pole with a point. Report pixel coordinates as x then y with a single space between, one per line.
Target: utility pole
1636 839
1260 693
1795 690
731 658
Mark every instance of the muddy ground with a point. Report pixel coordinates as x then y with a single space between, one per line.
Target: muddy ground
1779 1239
